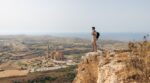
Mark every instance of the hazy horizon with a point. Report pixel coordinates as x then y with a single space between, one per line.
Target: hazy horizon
103 36
73 16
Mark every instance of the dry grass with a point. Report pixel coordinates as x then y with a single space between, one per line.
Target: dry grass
139 63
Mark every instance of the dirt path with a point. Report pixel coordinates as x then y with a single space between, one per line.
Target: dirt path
13 73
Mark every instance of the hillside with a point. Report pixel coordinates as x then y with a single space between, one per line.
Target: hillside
121 66
27 55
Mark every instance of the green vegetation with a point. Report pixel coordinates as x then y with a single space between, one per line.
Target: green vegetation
74 56
64 75
45 79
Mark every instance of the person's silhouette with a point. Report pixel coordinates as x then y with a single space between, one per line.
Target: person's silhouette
94 39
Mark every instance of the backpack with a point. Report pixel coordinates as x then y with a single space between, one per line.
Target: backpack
97 35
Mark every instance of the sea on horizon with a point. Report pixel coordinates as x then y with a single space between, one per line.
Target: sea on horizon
125 36
106 36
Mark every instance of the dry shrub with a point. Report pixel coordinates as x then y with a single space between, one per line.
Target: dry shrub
139 62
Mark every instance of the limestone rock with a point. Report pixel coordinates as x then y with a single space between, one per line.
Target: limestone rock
110 67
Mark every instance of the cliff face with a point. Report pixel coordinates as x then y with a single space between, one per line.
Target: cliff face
113 67
88 68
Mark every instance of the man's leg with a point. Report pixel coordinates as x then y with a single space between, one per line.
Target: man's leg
95 46
92 46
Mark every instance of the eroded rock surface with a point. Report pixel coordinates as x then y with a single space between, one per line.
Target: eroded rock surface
113 67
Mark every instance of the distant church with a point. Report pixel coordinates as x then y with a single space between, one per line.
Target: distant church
56 55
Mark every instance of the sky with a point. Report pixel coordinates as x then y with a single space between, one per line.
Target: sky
60 16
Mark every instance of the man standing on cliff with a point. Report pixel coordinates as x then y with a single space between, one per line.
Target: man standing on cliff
95 36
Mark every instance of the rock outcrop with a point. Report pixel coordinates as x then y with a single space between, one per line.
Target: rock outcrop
88 68
113 67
